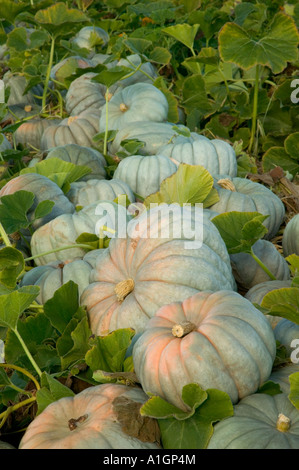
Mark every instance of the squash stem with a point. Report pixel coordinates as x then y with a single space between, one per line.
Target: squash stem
106 123
75 245
262 265
28 353
4 236
23 371
254 112
11 409
48 73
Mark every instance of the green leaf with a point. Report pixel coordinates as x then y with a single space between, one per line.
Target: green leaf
294 389
61 308
51 390
196 431
195 95
190 184
13 210
111 76
277 156
57 170
78 334
43 208
108 352
17 39
276 46
156 407
89 239
293 262
137 45
283 302
173 114
14 303
160 55
9 10
11 266
183 33
291 145
189 430
270 388
58 18
240 230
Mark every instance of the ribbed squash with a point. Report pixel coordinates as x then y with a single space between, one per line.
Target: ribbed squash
138 102
218 340
81 155
240 194
144 174
65 229
216 155
260 421
152 267
43 189
248 272
153 134
89 37
29 133
83 193
89 420
256 294
290 239
52 276
78 130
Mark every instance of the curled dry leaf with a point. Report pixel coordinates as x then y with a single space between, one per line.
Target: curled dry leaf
141 427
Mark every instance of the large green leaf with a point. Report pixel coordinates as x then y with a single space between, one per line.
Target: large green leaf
274 48
156 407
108 352
74 342
9 9
190 184
189 429
11 266
60 172
294 389
13 210
58 18
185 33
14 303
277 156
51 390
240 230
283 302
63 306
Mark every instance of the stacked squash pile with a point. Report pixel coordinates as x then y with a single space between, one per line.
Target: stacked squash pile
192 323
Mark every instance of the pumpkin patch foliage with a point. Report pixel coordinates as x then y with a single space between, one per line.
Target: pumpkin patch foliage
149 225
